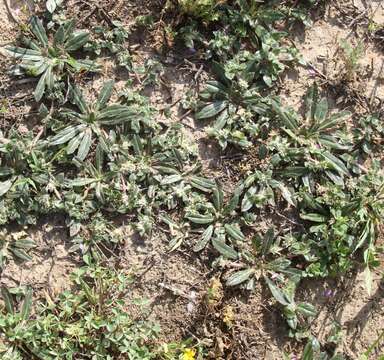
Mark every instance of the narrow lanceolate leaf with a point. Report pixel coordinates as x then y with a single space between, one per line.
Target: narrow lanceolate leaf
306 309
40 88
76 41
202 184
105 94
212 109
311 99
219 71
336 163
218 197
215 87
7 297
247 202
334 120
39 31
276 292
59 37
288 119
49 78
24 244
331 142
5 186
200 219
116 112
69 26
294 171
314 217
74 143
77 98
79 182
85 145
66 134
171 179
234 201
234 232
30 43
27 305
20 254
268 240
308 351
239 277
19 52
278 265
287 194
204 240
52 4
221 120
321 110
224 249
85 65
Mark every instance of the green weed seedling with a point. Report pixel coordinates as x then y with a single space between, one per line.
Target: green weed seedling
14 245
235 103
89 121
48 58
90 321
351 56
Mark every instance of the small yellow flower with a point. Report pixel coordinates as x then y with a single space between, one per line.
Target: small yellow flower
189 354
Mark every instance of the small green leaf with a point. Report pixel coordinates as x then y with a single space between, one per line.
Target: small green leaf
203 184
219 71
336 163
287 194
20 254
200 219
218 197
76 41
27 304
74 143
85 145
307 309
40 87
234 232
79 182
234 201
311 99
314 217
276 292
211 110
308 352
5 186
268 240
171 179
105 94
7 297
321 110
239 277
59 37
52 5
77 98
39 31
24 244
333 120
247 202
205 237
65 135
224 249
